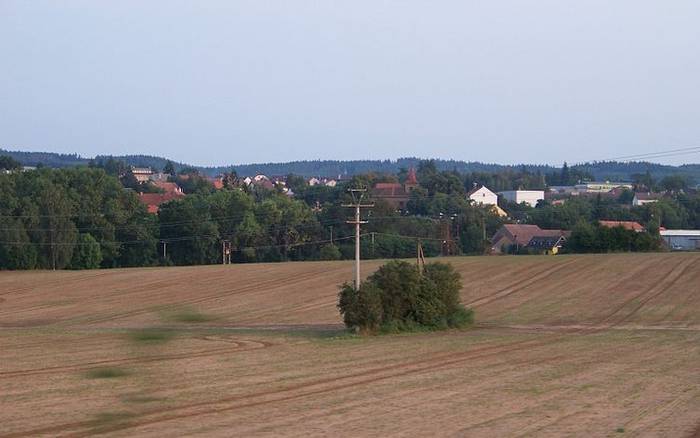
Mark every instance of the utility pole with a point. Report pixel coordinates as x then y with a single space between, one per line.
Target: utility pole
446 237
165 253
357 195
420 257
331 230
225 252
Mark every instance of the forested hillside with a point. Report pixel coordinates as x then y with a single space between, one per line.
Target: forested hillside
607 170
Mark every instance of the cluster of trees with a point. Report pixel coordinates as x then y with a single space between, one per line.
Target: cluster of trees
600 170
80 218
72 218
587 238
399 297
678 211
87 217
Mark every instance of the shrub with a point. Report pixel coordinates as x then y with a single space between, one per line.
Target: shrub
87 253
329 252
398 298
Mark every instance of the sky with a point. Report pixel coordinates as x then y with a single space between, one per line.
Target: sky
230 82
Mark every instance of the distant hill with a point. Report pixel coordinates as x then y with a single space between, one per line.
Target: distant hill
607 170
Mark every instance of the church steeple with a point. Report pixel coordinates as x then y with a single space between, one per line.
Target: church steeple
411 180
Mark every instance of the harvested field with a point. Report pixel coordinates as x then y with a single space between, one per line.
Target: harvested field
595 345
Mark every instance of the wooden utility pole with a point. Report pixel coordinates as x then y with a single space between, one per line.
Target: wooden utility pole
420 258
225 252
357 195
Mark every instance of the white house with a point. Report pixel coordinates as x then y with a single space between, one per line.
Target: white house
681 240
530 197
645 198
482 195
313 181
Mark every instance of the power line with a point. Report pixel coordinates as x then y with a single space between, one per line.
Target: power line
670 152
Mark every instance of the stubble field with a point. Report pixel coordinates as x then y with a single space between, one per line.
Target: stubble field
599 345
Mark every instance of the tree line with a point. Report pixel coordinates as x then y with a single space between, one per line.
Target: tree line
88 217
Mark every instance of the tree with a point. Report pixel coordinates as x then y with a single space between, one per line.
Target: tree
329 252
398 297
87 254
169 168
296 183
9 163
565 176
56 232
675 183
192 234
16 250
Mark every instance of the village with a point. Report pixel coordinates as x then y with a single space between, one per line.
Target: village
512 237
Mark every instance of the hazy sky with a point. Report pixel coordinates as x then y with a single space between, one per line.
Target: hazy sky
255 81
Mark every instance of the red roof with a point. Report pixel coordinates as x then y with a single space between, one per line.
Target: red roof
388 189
169 187
628 225
153 200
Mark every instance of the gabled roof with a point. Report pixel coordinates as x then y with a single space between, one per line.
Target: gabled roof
546 241
384 190
153 200
169 187
648 196
523 233
477 188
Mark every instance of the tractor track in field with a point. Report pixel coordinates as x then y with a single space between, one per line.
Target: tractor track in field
154 285
240 345
519 286
62 282
326 385
294 279
669 280
319 386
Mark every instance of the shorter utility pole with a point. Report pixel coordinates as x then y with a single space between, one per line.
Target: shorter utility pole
420 257
357 195
225 252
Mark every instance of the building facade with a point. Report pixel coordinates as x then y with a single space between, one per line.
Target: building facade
530 197
681 240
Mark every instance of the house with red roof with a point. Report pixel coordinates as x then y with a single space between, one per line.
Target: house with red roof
169 187
154 200
627 225
527 236
396 194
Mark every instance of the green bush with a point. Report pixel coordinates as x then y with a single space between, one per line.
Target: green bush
87 253
398 298
329 252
